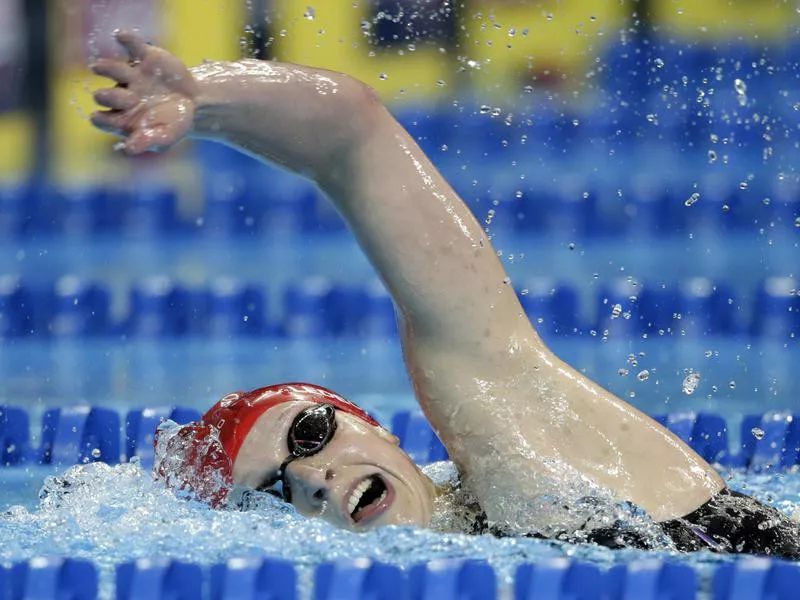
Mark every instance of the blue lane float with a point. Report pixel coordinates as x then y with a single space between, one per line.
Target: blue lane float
81 434
651 580
58 578
141 425
51 577
444 579
357 579
254 577
756 579
159 579
224 308
559 578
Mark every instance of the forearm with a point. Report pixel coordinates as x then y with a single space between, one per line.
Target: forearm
433 255
300 117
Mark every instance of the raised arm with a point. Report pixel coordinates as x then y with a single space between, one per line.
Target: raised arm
430 251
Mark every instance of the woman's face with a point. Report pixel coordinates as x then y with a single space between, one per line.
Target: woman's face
359 480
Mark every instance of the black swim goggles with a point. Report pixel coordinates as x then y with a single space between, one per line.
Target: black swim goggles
309 433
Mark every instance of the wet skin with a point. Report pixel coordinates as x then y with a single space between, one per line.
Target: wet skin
361 479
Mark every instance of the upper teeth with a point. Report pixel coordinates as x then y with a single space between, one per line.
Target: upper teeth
357 493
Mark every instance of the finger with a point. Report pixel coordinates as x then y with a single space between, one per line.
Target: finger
153 139
110 121
114 69
134 44
116 98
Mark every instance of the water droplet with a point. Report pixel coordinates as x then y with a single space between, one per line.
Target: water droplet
712 156
96 453
383 77
797 222
441 83
643 375
623 372
743 185
758 433
571 245
616 311
725 208
659 63
740 87
512 32
310 13
485 109
690 383
692 199
732 385
528 89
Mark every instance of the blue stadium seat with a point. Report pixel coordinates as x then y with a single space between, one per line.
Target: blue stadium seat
54 577
770 441
80 434
707 308
16 308
345 306
234 308
148 209
706 433
141 425
305 308
159 307
360 579
417 438
559 579
776 311
553 307
253 578
78 308
14 435
618 310
652 580
453 580
756 579
159 579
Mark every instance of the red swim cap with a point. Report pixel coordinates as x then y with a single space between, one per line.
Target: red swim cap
198 458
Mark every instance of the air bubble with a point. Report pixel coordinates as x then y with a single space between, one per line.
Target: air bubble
310 13
96 453
692 199
383 77
712 156
690 383
616 311
758 433
643 375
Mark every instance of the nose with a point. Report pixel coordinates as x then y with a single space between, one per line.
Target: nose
309 484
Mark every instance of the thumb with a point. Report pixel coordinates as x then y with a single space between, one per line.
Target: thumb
152 139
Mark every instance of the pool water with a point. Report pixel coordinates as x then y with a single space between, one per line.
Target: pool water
111 515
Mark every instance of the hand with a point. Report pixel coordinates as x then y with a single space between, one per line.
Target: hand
153 104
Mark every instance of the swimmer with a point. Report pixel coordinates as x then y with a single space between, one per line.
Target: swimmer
530 436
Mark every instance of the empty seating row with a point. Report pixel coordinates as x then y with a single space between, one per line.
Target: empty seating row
361 579
234 203
314 307
81 434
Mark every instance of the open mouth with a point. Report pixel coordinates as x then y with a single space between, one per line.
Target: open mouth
369 499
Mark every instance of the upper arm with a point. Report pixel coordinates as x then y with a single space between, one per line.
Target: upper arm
431 252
